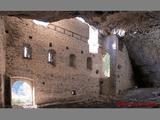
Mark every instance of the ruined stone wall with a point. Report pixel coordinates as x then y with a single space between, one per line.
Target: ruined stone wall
70 25
108 83
124 72
145 56
2 57
121 73
52 83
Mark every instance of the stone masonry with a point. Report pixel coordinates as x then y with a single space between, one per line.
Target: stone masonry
56 83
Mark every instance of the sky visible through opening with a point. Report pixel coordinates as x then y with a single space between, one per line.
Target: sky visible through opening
93 37
21 93
38 22
93 34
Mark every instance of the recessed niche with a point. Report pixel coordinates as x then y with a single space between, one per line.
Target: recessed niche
118 76
72 60
82 52
97 71
89 63
67 47
101 82
30 37
52 75
50 44
119 66
6 31
73 92
43 83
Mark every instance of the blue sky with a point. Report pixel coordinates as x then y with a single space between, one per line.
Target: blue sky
19 88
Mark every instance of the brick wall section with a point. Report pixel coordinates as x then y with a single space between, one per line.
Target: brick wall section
69 24
124 72
52 83
2 56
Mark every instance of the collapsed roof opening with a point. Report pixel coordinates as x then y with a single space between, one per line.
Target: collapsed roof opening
119 32
93 37
41 22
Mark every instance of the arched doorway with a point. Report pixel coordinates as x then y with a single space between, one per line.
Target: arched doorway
22 93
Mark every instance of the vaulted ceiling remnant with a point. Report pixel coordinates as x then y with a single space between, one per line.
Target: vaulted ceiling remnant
94 18
106 20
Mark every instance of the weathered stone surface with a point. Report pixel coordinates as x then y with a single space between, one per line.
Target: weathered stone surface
144 51
51 83
2 58
141 40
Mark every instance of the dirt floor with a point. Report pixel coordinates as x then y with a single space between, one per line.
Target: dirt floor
134 98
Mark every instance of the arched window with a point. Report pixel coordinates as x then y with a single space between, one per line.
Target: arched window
72 60
89 63
52 57
27 51
22 93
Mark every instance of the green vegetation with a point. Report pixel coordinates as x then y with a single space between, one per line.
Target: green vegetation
106 63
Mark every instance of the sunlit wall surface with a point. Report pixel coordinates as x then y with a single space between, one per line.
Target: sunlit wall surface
93 37
93 40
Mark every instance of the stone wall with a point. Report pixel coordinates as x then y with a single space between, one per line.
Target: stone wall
52 83
69 24
145 56
56 83
121 73
108 85
124 72
2 57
